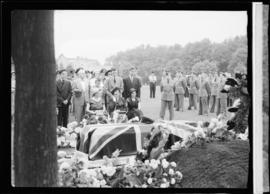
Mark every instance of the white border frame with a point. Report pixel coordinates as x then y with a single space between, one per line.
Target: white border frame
257 74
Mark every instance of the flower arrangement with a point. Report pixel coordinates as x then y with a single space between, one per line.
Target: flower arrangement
67 137
75 172
149 174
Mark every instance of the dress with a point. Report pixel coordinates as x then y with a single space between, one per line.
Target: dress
133 110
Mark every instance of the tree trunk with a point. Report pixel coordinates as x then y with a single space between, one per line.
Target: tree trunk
35 148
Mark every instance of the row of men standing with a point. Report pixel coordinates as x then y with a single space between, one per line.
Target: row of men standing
203 92
78 91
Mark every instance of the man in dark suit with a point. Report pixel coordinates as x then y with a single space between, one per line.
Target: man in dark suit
64 93
132 82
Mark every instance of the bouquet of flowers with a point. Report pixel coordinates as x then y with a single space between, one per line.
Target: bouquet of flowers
67 137
149 174
76 172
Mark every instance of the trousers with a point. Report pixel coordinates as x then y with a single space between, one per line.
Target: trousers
164 105
62 117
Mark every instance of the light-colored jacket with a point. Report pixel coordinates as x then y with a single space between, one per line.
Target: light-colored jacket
110 84
204 89
180 86
219 94
194 87
166 88
214 88
80 97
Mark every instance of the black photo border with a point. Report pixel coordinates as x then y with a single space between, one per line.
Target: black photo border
8 6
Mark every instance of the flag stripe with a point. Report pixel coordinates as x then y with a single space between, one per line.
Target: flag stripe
107 138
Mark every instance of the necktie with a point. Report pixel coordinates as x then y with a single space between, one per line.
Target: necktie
114 80
167 80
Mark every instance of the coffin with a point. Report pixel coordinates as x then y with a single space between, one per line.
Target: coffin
103 139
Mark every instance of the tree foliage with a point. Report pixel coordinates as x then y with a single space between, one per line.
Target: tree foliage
227 56
205 67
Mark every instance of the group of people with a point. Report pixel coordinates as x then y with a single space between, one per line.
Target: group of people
203 90
101 94
107 92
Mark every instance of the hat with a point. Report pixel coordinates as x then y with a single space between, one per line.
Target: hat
103 70
77 70
115 89
62 70
106 74
113 69
132 90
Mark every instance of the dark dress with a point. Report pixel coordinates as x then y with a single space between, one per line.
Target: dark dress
133 110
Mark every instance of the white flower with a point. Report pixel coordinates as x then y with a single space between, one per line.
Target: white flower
146 162
173 164
108 170
95 183
73 136
64 166
144 186
179 174
72 125
64 129
172 181
165 164
176 146
163 185
149 181
164 180
73 144
102 182
58 142
61 154
153 163
171 171
62 139
165 174
77 129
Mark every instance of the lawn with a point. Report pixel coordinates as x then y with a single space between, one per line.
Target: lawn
151 108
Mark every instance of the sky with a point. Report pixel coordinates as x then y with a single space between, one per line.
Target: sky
98 34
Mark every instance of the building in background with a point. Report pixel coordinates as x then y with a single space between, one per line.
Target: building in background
74 63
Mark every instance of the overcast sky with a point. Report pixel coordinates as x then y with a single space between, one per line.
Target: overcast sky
100 34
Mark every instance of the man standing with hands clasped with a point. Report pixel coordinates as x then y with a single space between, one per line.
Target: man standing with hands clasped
152 83
64 93
131 82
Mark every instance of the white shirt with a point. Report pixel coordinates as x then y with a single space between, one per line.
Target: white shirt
152 78
83 83
92 82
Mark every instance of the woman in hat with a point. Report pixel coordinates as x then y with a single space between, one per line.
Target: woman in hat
117 102
133 105
80 94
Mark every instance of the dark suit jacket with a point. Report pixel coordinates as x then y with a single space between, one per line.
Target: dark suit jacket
64 92
136 84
